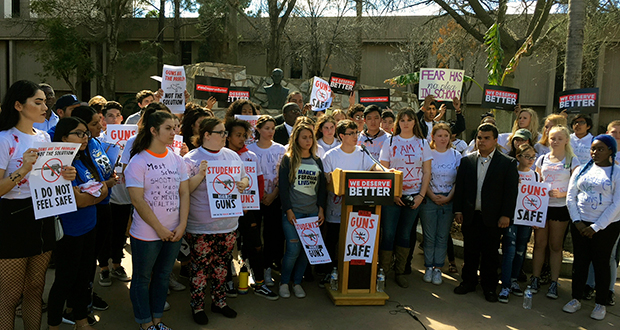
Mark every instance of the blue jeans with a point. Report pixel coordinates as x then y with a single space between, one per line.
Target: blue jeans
514 245
436 222
295 260
396 224
152 264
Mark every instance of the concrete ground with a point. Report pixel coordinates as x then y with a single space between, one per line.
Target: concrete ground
437 307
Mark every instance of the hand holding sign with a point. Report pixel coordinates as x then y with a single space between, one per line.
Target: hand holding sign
29 158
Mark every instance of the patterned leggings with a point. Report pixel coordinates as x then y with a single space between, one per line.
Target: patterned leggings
210 255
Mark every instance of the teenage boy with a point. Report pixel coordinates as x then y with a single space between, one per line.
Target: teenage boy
581 139
144 98
64 106
373 136
356 113
387 121
51 119
348 156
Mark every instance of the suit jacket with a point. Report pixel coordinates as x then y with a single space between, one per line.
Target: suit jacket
279 119
281 135
499 189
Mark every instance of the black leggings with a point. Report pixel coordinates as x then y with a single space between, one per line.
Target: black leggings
120 218
273 235
104 231
249 228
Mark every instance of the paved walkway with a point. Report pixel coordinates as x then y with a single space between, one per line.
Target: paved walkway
437 307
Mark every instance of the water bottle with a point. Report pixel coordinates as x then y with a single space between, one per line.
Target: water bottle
333 280
527 298
380 281
243 281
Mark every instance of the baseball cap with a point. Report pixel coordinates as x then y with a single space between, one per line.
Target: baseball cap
66 101
523 133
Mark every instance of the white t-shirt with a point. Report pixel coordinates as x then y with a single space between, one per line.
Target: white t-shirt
249 156
502 140
160 175
541 149
327 147
199 220
429 132
443 170
557 175
125 156
337 158
581 147
373 145
408 156
268 161
13 144
529 176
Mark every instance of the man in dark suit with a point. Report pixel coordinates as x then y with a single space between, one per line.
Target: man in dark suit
294 97
484 202
290 112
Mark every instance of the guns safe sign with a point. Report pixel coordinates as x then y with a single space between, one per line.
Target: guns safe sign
312 241
532 204
321 96
51 193
361 236
224 200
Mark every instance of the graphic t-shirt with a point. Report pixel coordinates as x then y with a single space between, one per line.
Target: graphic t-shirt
160 175
558 175
373 145
581 147
529 176
13 144
443 170
408 156
268 161
105 166
337 158
594 197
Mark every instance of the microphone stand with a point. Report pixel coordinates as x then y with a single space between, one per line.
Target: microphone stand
364 149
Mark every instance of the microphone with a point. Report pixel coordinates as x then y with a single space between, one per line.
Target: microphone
364 149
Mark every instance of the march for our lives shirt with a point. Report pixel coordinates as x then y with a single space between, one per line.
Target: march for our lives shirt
407 156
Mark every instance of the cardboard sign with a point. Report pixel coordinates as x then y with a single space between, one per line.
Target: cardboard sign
118 135
222 177
321 96
174 84
341 83
51 193
499 97
312 241
362 190
177 145
532 204
443 84
584 100
361 236
211 86
238 93
250 198
252 119
378 97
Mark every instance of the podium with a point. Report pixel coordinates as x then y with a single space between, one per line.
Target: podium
363 192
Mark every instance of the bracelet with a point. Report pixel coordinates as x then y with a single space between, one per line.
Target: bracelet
15 176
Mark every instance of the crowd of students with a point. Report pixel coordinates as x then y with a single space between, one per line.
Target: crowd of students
164 195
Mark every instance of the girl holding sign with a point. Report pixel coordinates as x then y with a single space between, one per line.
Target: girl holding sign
407 151
211 240
75 252
158 186
554 168
436 213
303 191
27 243
594 206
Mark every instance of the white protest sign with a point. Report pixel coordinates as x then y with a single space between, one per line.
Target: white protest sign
177 144
312 241
119 134
532 203
250 198
252 119
443 84
173 83
51 193
361 236
321 96
222 177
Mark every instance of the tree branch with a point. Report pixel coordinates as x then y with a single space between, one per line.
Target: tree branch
482 14
540 6
459 19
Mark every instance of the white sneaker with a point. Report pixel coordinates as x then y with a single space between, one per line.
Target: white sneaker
166 307
572 306
299 291
174 285
437 276
599 312
428 276
284 291
268 278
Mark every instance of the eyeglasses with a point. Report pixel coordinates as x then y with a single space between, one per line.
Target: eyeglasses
580 122
358 117
352 133
528 157
80 134
221 133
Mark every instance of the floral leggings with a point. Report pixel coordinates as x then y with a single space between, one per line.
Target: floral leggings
210 255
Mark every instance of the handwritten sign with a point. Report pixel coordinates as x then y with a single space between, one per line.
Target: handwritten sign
51 193
583 100
499 97
378 97
312 241
211 86
174 84
361 236
341 83
250 198
532 203
321 96
443 84
222 177
118 135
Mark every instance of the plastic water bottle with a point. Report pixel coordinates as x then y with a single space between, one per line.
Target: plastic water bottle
333 280
527 298
380 281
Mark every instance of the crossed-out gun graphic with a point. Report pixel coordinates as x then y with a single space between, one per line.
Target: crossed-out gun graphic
54 168
229 184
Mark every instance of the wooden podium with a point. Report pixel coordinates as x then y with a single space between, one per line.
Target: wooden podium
362 192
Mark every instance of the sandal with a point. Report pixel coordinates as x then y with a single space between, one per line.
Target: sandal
452 268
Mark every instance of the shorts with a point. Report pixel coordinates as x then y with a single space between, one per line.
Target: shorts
558 213
21 235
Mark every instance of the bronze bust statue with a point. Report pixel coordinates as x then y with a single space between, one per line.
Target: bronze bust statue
276 94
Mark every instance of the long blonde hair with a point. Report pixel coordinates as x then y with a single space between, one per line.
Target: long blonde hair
294 151
532 127
437 127
568 149
556 120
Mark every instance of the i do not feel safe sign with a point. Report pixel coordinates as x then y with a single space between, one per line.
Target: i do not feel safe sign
51 193
361 236
532 204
